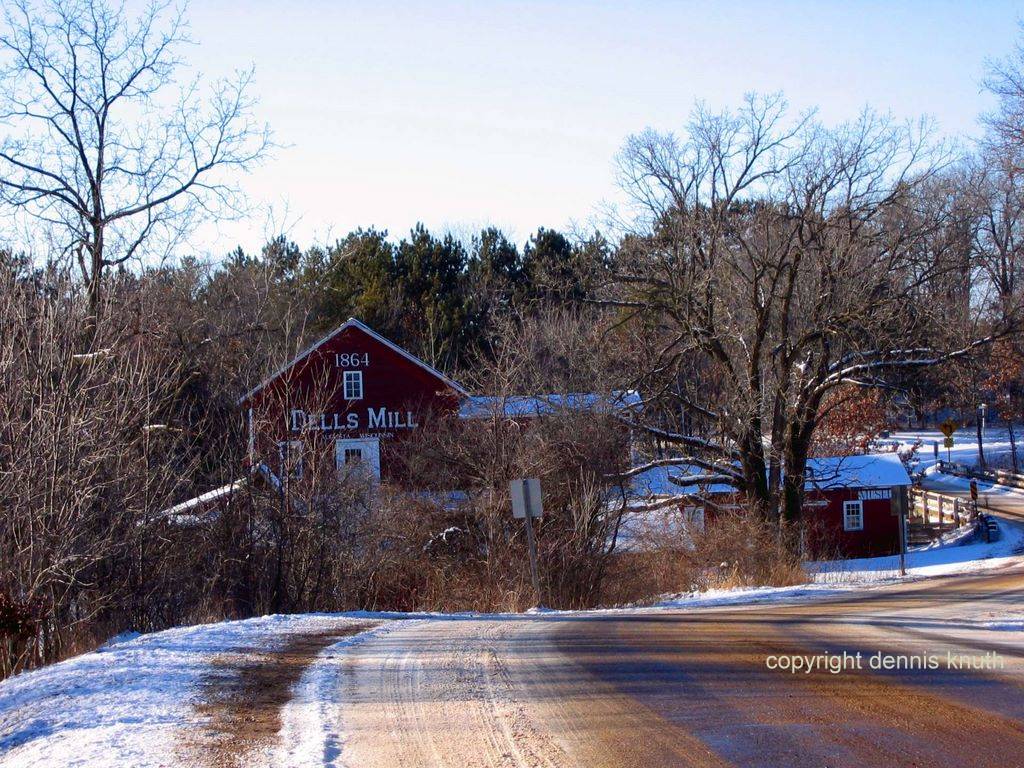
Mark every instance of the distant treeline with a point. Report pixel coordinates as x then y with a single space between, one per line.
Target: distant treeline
435 295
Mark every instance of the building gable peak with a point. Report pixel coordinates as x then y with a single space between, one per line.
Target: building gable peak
359 325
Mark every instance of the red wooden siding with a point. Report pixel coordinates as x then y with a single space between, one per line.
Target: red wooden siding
306 401
826 534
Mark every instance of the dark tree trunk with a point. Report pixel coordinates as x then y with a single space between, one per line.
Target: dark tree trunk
981 447
1013 446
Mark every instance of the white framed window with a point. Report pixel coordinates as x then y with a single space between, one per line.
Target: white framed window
353 385
290 452
358 455
853 516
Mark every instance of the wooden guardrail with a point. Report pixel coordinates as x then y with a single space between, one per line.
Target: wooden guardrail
1002 477
932 507
933 514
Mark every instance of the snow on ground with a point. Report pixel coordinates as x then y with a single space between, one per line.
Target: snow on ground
996 442
957 483
942 560
127 703
1011 623
833 577
124 704
312 725
958 551
714 598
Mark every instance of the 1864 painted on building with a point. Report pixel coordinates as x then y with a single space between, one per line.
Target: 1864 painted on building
353 393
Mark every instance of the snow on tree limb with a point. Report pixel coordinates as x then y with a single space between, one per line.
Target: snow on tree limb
705 479
897 359
91 357
683 461
681 439
661 503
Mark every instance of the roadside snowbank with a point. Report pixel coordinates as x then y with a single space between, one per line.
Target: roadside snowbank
124 704
1006 624
941 481
713 598
129 702
835 577
946 560
312 725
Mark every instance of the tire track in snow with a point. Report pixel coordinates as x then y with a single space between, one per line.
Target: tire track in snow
242 708
440 693
310 732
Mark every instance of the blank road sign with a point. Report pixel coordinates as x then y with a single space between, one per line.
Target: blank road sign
526 496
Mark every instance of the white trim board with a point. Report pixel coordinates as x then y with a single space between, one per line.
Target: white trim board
353 323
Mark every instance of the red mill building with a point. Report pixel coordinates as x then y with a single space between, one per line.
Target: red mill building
354 393
353 388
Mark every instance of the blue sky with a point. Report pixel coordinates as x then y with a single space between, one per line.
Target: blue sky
461 114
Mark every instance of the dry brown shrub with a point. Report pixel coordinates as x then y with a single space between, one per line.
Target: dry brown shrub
741 549
737 549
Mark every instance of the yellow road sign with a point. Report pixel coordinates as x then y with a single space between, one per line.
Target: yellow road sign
948 427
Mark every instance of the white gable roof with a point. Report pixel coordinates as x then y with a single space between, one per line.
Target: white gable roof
655 482
354 323
878 470
874 470
516 406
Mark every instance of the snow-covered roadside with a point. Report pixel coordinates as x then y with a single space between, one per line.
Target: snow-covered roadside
312 726
947 560
996 442
958 483
126 703
834 577
1010 623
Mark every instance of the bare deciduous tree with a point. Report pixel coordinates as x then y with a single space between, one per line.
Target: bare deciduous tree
92 447
98 146
1005 80
790 260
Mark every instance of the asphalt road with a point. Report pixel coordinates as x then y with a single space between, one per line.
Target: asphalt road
694 688
1009 508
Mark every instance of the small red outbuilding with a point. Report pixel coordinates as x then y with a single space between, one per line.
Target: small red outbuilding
852 504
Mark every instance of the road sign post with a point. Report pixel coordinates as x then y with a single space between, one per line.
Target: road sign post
526 503
899 501
948 427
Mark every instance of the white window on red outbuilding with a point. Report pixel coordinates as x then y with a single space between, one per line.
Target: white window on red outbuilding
353 385
853 515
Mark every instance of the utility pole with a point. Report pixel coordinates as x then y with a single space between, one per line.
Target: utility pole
980 423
